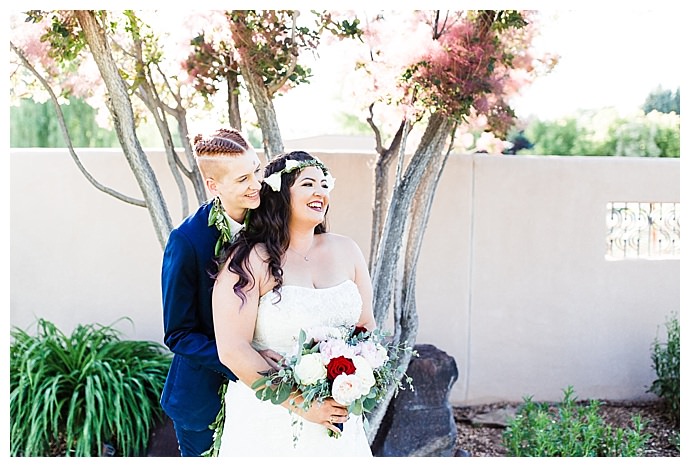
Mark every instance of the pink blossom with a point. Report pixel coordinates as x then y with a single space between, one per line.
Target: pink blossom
374 354
335 348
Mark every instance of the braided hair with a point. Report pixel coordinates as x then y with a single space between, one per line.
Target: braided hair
221 142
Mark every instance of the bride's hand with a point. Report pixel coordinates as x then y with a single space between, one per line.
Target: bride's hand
272 357
327 413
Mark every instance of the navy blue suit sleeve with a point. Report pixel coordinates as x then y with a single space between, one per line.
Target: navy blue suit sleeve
188 328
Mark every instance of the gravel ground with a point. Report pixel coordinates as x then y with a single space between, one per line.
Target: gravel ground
478 438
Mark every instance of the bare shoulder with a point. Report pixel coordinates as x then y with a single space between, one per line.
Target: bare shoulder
333 240
258 262
258 254
341 245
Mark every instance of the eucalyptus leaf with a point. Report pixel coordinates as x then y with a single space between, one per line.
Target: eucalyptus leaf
281 394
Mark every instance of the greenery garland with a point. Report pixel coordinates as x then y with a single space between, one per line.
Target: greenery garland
217 425
222 221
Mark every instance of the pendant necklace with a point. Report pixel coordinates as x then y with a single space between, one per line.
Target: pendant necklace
300 254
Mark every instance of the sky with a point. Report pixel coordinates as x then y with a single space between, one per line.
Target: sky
609 58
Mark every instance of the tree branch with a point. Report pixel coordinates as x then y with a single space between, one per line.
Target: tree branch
68 138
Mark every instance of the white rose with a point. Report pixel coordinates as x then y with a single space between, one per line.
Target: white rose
310 370
365 374
346 389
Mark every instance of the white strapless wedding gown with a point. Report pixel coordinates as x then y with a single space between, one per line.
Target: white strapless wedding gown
259 428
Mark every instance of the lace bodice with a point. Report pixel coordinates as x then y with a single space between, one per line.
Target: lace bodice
278 324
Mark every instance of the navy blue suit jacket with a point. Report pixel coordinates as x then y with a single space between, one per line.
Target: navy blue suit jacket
190 395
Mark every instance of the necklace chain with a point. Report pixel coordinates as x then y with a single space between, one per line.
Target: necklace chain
300 254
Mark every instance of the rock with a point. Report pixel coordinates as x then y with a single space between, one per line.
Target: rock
420 423
498 418
162 440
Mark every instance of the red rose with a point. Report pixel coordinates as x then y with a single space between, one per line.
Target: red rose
339 365
359 330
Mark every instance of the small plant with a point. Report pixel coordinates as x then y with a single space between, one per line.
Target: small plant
82 394
666 363
569 429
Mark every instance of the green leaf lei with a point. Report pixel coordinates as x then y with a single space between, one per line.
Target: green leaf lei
222 222
217 425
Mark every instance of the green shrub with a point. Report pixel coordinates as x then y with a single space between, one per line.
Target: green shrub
666 363
569 429
606 133
72 395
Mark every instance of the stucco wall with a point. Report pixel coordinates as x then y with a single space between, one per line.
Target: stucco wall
512 279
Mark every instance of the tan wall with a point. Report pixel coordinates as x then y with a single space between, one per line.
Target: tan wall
512 280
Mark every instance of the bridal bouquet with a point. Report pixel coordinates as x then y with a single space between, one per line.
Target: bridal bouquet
354 366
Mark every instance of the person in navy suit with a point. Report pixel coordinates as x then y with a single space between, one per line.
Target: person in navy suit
232 173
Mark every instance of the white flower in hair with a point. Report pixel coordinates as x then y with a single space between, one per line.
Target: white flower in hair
291 165
274 181
330 181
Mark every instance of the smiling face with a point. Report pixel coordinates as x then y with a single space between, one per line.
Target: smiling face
309 196
236 181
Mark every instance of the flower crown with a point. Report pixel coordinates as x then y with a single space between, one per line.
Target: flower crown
275 181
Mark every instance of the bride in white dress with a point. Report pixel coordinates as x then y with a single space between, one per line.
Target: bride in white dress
284 274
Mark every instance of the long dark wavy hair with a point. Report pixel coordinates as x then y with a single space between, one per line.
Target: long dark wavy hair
267 225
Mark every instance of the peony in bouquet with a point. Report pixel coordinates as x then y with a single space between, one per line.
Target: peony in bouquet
352 365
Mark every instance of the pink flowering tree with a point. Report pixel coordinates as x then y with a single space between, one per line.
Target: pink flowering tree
115 62
136 65
264 48
456 78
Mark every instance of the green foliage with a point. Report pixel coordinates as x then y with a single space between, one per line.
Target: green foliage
570 429
662 100
666 364
352 124
35 125
604 133
71 394
64 36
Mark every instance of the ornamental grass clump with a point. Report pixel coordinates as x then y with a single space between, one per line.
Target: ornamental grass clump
666 363
83 394
569 429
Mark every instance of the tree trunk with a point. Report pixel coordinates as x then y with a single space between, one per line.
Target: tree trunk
405 224
428 152
180 115
259 94
234 116
265 114
147 95
120 107
381 180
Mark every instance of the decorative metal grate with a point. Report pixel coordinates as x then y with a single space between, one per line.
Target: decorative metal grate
643 230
